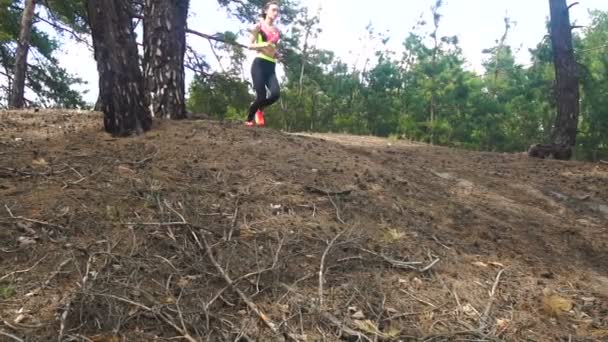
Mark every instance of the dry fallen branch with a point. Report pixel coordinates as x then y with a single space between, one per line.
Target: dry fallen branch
207 248
410 265
21 218
314 189
429 266
249 275
604 162
23 271
11 336
166 319
328 318
486 313
343 328
452 336
337 209
33 173
321 281
146 159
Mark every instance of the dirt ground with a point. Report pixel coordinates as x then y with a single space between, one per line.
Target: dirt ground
210 231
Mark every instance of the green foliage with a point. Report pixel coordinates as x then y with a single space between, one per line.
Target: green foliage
221 96
507 107
51 84
6 291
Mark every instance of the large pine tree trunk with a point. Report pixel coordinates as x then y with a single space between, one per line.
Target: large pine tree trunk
120 78
18 91
566 123
164 48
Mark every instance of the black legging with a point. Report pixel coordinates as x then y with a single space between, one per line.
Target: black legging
263 75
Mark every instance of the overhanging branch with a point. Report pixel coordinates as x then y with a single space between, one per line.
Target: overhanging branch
67 30
217 39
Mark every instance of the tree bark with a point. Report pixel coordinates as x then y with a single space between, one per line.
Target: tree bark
18 87
120 78
566 123
165 24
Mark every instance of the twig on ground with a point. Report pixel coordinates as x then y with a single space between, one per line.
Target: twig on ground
23 271
21 218
33 173
49 279
395 263
11 336
249 275
337 209
176 212
167 320
330 319
321 281
418 299
486 313
429 266
146 159
440 243
17 326
314 189
406 314
78 181
344 329
207 248
234 219
458 333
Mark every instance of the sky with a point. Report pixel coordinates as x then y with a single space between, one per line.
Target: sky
477 23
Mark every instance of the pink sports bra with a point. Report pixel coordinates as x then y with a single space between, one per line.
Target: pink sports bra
269 35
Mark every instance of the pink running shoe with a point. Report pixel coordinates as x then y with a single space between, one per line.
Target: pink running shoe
259 118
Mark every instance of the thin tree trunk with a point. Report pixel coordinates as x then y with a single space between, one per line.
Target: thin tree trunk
18 87
499 49
566 123
165 24
120 79
436 19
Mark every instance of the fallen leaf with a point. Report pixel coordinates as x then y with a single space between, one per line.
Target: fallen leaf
502 323
480 264
392 235
40 162
555 305
469 310
599 333
105 338
184 282
297 337
368 327
124 169
25 241
393 332
391 310
168 300
27 227
584 197
588 300
358 315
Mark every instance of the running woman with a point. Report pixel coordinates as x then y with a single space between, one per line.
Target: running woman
264 38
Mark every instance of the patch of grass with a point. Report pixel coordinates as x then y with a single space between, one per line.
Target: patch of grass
6 291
